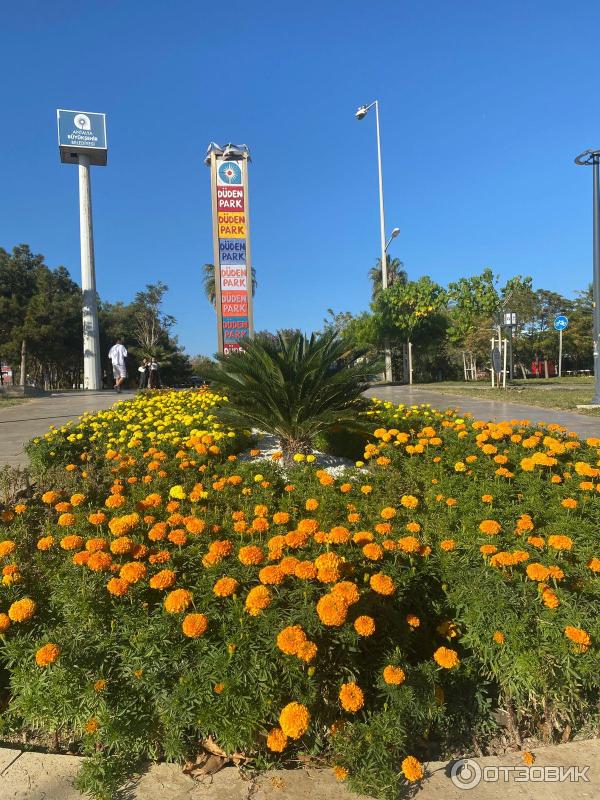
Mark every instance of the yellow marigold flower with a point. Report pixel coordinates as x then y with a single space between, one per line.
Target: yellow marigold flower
92 725
498 637
447 544
351 697
276 740
568 502
340 773
22 610
163 579
332 609
257 600
388 513
446 657
490 527
117 587
409 501
47 654
194 625
560 542
364 625
7 547
488 549
393 676
294 720
225 587
382 584
66 520
412 769
132 572
594 564
177 601
177 492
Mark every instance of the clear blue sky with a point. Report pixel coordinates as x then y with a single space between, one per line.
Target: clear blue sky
484 105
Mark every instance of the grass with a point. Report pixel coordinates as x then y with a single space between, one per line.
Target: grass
561 393
5 402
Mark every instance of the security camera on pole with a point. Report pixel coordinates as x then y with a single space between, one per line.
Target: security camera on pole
82 141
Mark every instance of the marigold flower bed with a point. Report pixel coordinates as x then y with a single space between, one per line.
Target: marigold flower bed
158 591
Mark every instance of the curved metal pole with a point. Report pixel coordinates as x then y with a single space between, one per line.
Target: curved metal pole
596 282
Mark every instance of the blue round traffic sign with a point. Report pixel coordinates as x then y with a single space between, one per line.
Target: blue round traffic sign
561 323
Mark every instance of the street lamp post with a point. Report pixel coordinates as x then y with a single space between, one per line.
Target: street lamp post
361 113
592 158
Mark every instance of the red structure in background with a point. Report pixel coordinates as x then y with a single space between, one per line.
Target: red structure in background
538 369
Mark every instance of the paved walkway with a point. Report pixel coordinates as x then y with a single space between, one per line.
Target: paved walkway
20 423
39 776
488 409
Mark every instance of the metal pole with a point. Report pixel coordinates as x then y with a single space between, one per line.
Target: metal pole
384 275
596 283
511 368
92 378
410 363
560 353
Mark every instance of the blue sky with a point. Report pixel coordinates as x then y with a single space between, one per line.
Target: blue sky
484 106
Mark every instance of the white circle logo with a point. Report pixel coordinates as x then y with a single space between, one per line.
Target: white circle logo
465 773
82 121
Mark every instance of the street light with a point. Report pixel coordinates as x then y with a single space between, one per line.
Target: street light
395 232
592 158
361 113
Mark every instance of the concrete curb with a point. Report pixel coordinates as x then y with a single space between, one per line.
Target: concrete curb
40 776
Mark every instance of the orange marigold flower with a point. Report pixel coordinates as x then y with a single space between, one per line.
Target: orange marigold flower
409 544
560 542
22 610
490 527
4 623
7 547
114 501
594 565
340 773
332 609
260 524
372 551
413 621
537 572
194 525
528 758
163 579
177 601
132 572
159 558
305 570
99 561
257 600
66 520
364 625
536 541
122 545
93 545
488 549
276 740
549 598
311 504
382 584
47 654
92 725
447 544
99 685
412 769
487 498
290 639
393 676
225 587
307 651
351 697
251 554
45 543
294 720
50 497
498 637
388 512
446 657
272 574
348 590
72 542
178 537
578 635
117 587
194 625
281 517
81 558
569 502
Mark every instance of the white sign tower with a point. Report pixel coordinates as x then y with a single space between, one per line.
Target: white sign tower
82 141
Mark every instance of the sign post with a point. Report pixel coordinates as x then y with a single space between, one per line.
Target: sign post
82 141
231 241
561 323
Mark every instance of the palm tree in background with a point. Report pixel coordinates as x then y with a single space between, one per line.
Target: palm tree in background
395 274
208 283
294 388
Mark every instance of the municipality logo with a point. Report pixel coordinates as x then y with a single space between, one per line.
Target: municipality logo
82 121
230 172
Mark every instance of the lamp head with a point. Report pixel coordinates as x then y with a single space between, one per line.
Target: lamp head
361 112
395 232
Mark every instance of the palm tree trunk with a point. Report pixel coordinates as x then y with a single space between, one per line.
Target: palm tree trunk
291 447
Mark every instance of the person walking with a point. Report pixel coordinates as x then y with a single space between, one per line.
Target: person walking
154 381
143 370
117 355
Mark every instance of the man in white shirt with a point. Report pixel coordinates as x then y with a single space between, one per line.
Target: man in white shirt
117 355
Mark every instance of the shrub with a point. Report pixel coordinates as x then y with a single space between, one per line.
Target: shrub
376 619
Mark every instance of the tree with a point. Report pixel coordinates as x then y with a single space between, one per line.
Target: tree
395 274
294 391
208 283
150 324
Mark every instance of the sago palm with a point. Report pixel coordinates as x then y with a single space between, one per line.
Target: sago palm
293 389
